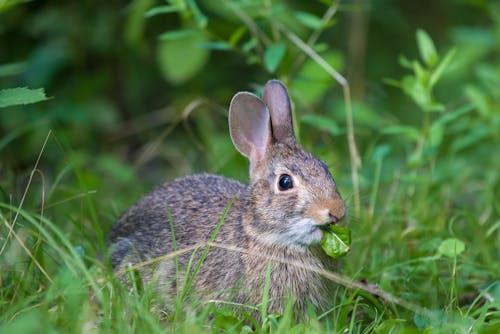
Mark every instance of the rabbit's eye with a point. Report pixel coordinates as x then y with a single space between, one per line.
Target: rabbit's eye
285 182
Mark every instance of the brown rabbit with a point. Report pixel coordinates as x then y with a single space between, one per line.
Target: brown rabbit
279 215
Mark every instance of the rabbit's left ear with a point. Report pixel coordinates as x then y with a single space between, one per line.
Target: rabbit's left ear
276 98
249 126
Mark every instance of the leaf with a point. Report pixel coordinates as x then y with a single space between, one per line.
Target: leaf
273 56
179 55
7 4
178 34
226 322
396 326
432 318
161 10
200 19
413 88
252 43
336 241
409 131
380 152
436 134
12 69
426 48
493 290
405 62
322 123
135 23
455 114
392 82
21 95
217 45
471 138
451 247
237 35
309 20
441 67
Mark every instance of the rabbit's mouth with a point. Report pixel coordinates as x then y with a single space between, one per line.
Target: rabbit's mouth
305 232
326 226
302 232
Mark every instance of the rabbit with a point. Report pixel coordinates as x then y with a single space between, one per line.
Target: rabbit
277 219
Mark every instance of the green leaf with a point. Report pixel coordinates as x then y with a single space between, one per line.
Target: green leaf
136 22
405 62
451 247
455 114
217 45
7 4
178 34
161 10
200 19
226 322
441 67
493 290
21 95
396 326
309 20
392 82
336 241
406 130
12 69
473 137
322 123
380 152
252 43
426 48
273 56
237 35
436 134
179 55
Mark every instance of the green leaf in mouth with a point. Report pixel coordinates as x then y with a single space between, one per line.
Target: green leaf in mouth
336 241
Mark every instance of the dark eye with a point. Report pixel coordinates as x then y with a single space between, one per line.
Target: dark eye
285 182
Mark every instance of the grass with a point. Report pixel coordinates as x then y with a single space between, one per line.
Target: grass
56 277
424 218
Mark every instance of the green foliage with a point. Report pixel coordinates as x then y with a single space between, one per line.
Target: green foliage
451 248
336 241
17 96
139 95
419 86
180 56
273 56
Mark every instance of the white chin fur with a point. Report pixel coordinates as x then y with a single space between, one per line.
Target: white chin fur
299 232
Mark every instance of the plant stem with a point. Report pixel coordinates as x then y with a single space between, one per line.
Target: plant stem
355 158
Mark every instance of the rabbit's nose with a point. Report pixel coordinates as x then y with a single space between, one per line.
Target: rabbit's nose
334 219
336 211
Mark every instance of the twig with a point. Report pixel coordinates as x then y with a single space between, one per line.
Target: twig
316 33
337 278
254 29
33 171
355 158
23 246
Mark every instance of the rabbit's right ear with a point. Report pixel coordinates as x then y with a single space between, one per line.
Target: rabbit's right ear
249 125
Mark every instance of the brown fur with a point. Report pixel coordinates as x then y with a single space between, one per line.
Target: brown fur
263 220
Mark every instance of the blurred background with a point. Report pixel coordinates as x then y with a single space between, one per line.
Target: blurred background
138 93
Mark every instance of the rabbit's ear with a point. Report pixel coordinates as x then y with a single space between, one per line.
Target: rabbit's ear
249 125
278 102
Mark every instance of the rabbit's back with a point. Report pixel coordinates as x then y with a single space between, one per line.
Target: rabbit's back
193 205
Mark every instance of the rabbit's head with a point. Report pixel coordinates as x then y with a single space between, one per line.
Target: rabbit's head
292 194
